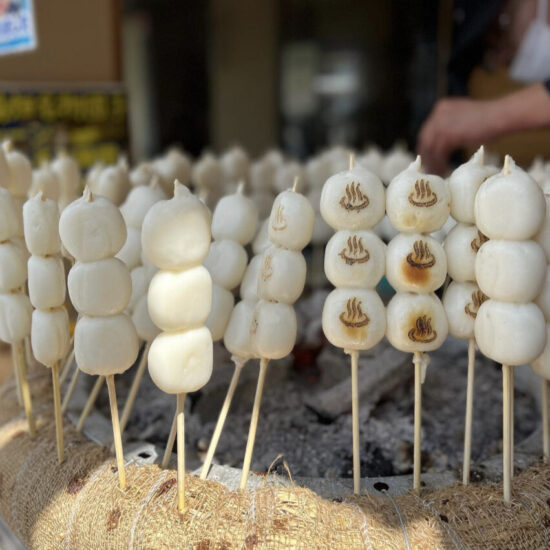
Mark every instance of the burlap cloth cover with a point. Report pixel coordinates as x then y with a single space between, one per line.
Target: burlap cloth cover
79 505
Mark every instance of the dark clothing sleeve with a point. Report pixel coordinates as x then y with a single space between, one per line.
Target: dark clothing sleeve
547 85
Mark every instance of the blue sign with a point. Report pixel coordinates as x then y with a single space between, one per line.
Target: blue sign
17 28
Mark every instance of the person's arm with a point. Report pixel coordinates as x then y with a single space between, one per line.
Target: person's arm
458 123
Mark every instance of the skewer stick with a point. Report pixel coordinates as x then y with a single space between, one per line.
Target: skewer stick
58 413
544 410
170 444
254 422
355 420
131 399
511 405
116 431
70 390
181 451
16 376
90 403
417 420
67 367
19 352
469 411
221 419
506 447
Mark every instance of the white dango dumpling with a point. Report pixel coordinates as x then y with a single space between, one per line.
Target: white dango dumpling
41 223
15 317
176 232
67 171
261 241
317 171
442 233
415 322
145 328
543 299
263 201
93 173
139 201
235 165
511 271
50 335
464 183
92 228
353 199
222 305
9 224
415 263
113 183
541 365
238 337
354 318
130 253
226 262
461 302
510 205
141 278
282 275
461 247
46 281
355 259
180 300
543 236
20 171
291 221
105 345
207 173
394 163
174 165
372 159
417 202
261 176
249 284
13 267
235 218
273 329
44 179
141 175
511 334
181 362
100 288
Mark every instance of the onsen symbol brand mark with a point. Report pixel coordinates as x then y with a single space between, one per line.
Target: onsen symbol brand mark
267 270
422 196
478 240
280 222
354 316
423 332
471 308
355 252
421 256
354 198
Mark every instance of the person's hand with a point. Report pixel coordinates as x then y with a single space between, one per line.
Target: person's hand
453 124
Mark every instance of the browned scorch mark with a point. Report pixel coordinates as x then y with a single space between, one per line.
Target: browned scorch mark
479 239
422 331
355 252
267 270
354 198
354 316
280 223
422 196
471 308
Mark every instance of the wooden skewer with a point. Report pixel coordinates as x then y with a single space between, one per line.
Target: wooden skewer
18 351
469 411
254 422
70 390
16 376
58 413
544 411
221 419
417 360
511 405
116 431
506 447
67 367
355 421
90 403
181 451
170 443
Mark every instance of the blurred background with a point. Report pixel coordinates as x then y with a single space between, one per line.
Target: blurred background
139 75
